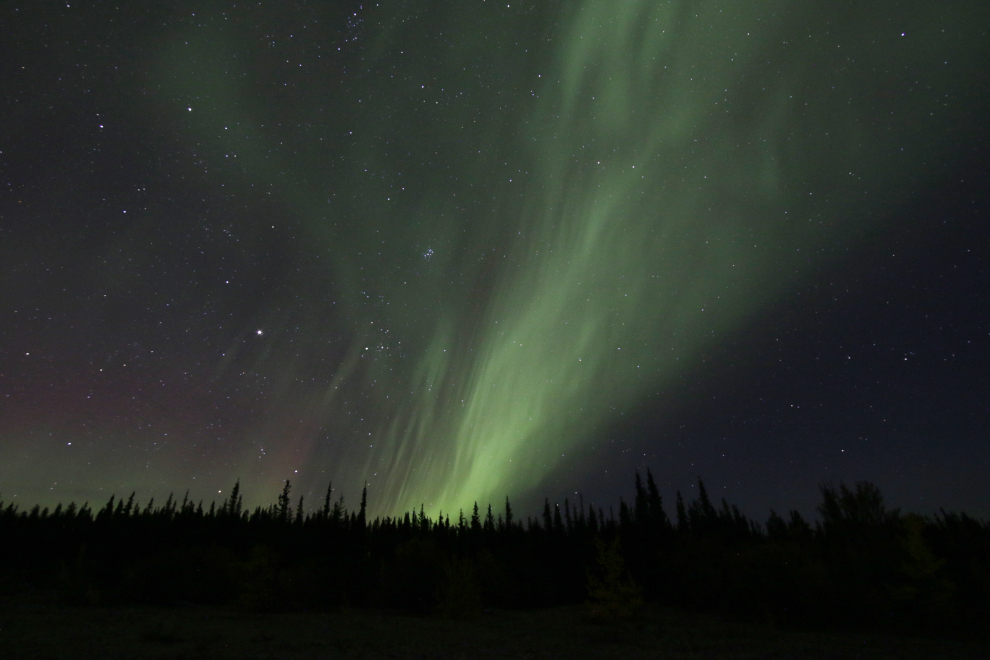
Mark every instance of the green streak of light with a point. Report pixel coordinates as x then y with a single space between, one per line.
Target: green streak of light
673 168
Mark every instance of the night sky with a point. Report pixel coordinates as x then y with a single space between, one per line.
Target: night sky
464 250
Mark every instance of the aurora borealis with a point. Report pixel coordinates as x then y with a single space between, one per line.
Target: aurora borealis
450 249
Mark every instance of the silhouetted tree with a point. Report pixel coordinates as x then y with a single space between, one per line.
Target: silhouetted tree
476 520
284 502
489 521
129 505
642 505
658 517
299 511
232 505
362 514
326 500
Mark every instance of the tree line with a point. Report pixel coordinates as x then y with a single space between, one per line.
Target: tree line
859 564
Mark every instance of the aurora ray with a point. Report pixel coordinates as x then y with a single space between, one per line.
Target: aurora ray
626 185
470 236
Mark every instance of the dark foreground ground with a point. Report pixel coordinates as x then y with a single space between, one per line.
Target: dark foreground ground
34 627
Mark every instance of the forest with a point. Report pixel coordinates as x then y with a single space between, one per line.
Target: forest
859 564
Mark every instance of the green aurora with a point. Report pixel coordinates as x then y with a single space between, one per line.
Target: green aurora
532 216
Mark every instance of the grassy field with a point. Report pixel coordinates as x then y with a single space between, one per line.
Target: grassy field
37 627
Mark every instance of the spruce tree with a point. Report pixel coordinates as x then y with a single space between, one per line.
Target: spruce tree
283 502
363 514
232 506
701 513
657 514
338 514
107 511
475 519
129 505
